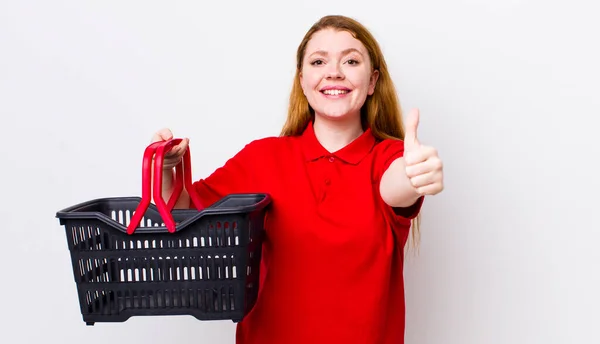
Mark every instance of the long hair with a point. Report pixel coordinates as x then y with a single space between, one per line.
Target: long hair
381 111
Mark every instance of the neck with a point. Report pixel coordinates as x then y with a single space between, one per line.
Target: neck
335 135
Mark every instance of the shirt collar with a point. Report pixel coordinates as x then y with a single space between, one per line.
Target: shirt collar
352 153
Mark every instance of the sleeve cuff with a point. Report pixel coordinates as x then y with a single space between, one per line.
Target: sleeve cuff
409 212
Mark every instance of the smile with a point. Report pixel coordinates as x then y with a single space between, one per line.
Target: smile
335 92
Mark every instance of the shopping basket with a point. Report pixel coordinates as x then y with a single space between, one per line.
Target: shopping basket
131 257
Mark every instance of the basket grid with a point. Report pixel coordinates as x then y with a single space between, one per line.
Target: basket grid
108 301
85 237
207 268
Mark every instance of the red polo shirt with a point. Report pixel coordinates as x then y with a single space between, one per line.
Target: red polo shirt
333 255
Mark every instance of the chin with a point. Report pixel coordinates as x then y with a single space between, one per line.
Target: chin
338 115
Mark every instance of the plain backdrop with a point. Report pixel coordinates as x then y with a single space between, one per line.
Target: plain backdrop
508 93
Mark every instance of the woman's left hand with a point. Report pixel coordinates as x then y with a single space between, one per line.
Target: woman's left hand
424 167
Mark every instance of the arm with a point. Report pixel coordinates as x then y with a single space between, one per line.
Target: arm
235 176
239 174
167 189
395 186
418 172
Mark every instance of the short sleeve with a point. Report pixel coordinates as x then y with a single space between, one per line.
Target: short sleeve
237 175
389 151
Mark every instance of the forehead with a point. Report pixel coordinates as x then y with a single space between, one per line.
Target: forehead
333 41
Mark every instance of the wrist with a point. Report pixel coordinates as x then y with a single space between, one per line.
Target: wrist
410 195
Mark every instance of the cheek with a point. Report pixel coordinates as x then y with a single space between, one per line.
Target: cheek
361 80
311 82
366 83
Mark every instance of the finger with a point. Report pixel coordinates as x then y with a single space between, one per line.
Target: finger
183 145
425 179
429 165
431 189
410 133
178 150
414 157
419 155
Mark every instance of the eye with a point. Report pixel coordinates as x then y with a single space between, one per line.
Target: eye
316 62
352 62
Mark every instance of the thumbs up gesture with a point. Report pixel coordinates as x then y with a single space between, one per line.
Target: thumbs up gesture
423 166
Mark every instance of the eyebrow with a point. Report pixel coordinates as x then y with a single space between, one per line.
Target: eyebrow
344 52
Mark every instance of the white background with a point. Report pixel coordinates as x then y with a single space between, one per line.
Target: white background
508 92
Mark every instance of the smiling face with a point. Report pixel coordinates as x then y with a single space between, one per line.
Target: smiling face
337 75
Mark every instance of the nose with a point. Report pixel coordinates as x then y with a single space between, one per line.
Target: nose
334 72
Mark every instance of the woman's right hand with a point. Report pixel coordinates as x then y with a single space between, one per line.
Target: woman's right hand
174 155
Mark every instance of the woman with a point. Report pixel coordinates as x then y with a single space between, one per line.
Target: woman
345 187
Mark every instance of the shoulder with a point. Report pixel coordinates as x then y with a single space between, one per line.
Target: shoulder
389 146
265 147
266 144
272 144
386 151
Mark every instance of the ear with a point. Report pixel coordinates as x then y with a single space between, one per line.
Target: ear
373 81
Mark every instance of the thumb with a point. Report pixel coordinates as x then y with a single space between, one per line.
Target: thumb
410 134
162 135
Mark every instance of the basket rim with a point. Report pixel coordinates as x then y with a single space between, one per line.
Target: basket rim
72 213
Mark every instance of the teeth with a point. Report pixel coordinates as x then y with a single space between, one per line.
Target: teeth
335 92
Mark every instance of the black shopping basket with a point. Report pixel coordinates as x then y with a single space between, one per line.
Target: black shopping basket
131 257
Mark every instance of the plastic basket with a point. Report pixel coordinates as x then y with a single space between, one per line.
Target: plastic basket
134 258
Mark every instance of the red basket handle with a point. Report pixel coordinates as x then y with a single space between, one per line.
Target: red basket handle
183 177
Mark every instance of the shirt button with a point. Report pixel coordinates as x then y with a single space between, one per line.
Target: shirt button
327 181
331 159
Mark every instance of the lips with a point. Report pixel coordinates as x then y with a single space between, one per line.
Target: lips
335 90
